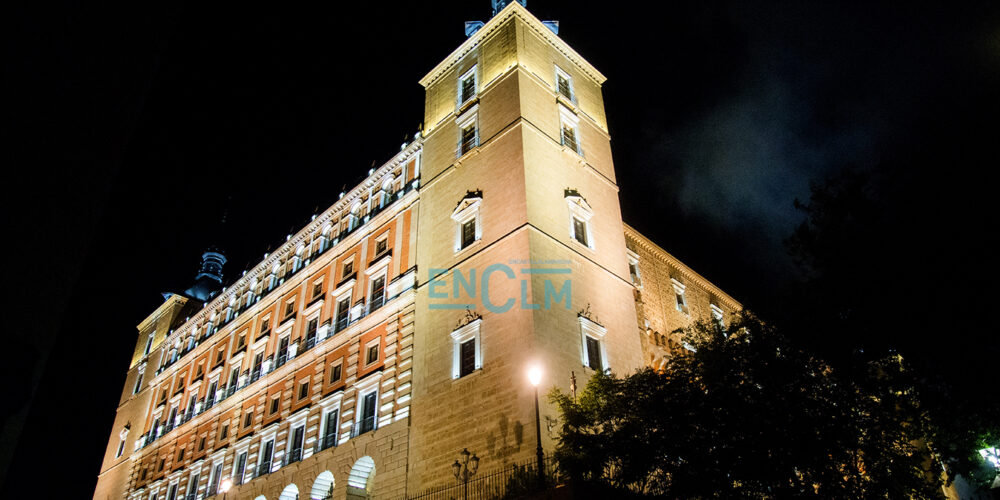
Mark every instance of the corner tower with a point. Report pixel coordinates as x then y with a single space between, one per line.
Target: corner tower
521 246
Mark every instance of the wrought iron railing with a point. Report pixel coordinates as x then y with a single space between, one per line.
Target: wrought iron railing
510 481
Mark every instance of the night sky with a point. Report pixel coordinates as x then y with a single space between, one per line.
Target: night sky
134 127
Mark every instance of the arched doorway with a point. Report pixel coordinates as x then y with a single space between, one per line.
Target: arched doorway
361 479
322 488
291 492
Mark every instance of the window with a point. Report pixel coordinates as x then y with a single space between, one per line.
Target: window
467 86
336 372
248 420
239 467
219 356
633 268
467 350
311 328
371 351
564 84
569 130
289 307
366 418
580 214
274 405
377 297
381 245
121 448
303 390
213 481
282 350
201 443
468 130
192 489
149 344
348 268
317 289
681 301
468 219
224 432
580 231
138 379
592 337
298 438
343 313
265 325
172 492
265 458
468 138
210 396
180 455
330 428
717 316
242 341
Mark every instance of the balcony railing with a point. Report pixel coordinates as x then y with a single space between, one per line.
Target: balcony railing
366 424
326 442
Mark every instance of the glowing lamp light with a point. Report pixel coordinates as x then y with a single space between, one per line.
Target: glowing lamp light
535 375
226 485
992 456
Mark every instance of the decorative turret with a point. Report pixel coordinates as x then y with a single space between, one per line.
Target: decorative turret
208 282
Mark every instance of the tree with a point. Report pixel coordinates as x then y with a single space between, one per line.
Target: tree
887 271
745 414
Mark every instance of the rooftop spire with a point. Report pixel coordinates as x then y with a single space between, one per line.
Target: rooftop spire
498 5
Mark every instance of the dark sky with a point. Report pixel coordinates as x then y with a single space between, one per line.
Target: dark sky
133 127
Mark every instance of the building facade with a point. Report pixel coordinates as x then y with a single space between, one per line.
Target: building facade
396 328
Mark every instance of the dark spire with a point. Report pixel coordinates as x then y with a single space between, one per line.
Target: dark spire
208 281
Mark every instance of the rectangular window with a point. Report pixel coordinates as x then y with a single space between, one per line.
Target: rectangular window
192 489
467 357
368 405
681 306
580 231
372 353
289 308
468 232
317 289
248 420
172 492
330 428
468 138
335 372
265 458
378 293
564 84
311 328
213 483
275 402
240 468
210 395
201 443
138 381
224 432
282 350
242 341
343 313
265 324
219 356
149 344
348 268
467 86
569 137
303 390
593 354
180 455
381 246
121 449
298 437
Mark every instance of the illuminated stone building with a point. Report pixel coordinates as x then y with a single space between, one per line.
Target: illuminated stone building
395 329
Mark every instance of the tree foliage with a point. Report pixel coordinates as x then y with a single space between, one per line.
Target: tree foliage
747 415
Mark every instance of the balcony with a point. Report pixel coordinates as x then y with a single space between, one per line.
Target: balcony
327 442
366 424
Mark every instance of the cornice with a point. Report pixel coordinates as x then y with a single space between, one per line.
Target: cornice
647 244
291 244
513 10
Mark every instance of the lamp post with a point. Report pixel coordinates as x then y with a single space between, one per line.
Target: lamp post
225 486
465 470
535 377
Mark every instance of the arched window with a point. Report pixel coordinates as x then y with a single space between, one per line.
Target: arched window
322 488
361 479
291 492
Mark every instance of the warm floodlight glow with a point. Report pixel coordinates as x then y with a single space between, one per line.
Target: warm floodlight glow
226 485
535 375
992 456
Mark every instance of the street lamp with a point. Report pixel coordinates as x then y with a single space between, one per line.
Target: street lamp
225 486
535 377
465 470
